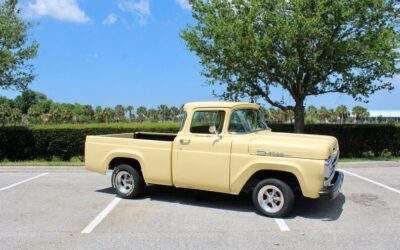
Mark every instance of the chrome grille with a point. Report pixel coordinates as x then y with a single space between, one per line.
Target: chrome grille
330 166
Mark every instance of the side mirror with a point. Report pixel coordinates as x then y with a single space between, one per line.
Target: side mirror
213 130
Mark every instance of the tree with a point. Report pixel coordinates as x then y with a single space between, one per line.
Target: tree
343 113
130 110
312 114
173 113
119 113
15 116
4 113
323 114
108 114
360 113
35 111
152 115
332 116
141 113
98 114
56 113
163 112
88 112
16 49
303 47
29 98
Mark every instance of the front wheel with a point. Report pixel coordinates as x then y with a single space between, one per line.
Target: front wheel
127 181
273 198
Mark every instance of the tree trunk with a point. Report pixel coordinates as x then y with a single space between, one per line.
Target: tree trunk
299 117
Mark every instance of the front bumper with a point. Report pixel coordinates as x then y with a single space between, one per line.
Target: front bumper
331 192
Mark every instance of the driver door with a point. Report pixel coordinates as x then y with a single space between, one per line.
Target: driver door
202 159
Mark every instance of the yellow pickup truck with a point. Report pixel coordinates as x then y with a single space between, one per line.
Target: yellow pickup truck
222 147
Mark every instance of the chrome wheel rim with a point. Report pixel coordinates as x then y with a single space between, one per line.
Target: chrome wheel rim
271 199
124 182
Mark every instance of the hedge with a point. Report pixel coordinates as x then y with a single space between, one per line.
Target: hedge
67 141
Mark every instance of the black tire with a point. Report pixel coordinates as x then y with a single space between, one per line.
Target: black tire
262 205
137 185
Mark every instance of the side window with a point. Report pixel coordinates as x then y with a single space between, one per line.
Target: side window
203 120
235 124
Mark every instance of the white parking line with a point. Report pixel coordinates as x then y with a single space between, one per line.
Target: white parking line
371 181
18 183
89 228
282 225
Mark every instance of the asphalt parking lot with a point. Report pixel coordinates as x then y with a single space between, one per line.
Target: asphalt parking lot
70 208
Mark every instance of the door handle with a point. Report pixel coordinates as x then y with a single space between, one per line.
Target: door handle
184 141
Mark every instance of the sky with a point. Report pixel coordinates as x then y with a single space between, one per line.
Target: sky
109 52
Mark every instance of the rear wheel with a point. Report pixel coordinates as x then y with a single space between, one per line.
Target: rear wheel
127 181
273 198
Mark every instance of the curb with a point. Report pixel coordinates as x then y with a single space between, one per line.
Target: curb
34 169
370 164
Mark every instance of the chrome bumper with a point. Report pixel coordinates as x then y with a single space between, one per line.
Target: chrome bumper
331 192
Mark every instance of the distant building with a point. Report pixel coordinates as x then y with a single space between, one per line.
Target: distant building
384 115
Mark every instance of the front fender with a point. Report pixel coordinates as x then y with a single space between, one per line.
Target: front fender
310 177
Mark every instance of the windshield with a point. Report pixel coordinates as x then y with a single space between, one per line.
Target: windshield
247 121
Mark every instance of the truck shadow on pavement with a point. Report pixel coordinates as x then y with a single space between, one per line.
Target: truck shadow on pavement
306 208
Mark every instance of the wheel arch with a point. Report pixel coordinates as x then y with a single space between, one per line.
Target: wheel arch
285 176
263 170
124 160
115 158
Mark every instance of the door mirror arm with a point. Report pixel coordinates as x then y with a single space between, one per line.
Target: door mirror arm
214 130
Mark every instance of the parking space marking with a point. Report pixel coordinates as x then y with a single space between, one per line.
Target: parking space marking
93 224
371 181
21 182
282 225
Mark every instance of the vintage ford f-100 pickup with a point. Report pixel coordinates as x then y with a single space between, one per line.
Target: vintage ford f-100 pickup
222 147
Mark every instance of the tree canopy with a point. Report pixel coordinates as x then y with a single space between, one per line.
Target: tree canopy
304 47
16 49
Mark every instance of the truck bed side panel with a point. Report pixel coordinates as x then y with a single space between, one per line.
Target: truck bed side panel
153 156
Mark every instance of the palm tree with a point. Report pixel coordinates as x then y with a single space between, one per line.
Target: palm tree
129 109
119 113
360 113
343 113
5 111
66 115
141 113
323 114
312 114
173 113
15 116
152 115
332 116
35 111
98 114
55 113
108 114
163 112
88 112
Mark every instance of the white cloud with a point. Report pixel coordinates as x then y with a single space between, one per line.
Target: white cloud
110 19
184 4
65 10
93 56
141 8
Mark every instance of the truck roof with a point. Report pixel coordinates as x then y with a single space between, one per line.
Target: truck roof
219 104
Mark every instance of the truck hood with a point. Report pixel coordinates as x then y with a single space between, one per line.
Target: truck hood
293 145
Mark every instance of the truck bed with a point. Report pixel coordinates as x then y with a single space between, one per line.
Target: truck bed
153 151
154 136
